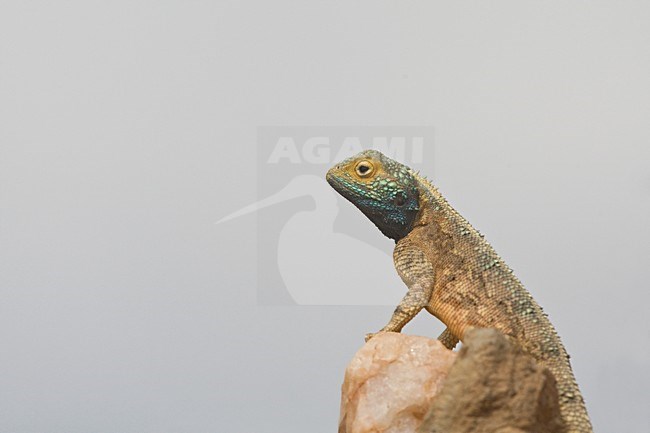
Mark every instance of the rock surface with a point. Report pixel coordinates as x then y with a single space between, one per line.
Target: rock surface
391 382
405 384
494 387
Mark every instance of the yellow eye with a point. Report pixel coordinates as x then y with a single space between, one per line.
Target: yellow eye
364 169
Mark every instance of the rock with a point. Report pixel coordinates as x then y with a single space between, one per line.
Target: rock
404 384
391 382
494 387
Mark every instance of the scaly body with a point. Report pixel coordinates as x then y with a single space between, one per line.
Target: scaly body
451 270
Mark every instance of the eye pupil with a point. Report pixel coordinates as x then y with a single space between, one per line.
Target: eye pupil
400 200
364 169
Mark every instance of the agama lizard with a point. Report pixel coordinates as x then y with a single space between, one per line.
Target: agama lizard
451 270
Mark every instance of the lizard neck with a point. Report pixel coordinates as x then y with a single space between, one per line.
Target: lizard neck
436 211
445 234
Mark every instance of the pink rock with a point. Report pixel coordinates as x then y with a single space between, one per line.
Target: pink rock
391 382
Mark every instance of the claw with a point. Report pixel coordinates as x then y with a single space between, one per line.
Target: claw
370 335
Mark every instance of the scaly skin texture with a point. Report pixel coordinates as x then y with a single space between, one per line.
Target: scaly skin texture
451 271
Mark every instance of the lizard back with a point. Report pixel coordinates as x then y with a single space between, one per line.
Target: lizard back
475 288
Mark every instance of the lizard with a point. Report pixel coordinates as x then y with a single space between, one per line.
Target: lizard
451 271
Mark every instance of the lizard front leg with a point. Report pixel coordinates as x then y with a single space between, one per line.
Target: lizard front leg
413 302
417 273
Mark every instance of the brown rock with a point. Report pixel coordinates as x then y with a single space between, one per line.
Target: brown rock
494 387
390 383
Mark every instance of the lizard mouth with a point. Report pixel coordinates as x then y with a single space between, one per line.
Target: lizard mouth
334 181
339 184
352 194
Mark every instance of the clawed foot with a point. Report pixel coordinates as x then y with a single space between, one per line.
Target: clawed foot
370 335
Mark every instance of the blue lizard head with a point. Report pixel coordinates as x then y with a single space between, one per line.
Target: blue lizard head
382 188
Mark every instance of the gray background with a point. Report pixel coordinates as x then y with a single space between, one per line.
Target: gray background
128 128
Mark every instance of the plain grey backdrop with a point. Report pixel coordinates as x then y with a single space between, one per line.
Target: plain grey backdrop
127 128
